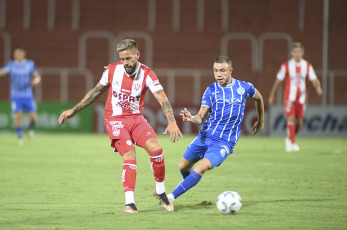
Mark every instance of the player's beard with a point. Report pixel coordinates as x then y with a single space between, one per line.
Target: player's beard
131 70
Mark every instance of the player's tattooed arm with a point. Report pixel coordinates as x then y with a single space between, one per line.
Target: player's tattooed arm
172 127
165 105
90 97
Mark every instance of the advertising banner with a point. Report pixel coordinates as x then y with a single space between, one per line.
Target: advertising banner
319 121
47 118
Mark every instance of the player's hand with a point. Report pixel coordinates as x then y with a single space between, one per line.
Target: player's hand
174 131
186 115
257 127
64 117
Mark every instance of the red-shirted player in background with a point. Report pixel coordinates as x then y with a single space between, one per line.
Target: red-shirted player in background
128 81
295 72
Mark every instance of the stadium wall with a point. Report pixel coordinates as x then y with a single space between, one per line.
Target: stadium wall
72 40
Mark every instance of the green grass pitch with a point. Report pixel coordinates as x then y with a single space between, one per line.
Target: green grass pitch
72 181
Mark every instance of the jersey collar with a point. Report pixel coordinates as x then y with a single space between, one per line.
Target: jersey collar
228 86
136 71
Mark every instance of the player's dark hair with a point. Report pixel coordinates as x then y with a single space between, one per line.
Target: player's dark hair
127 44
298 45
223 59
20 48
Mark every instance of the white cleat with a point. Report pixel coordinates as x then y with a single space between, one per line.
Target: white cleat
31 134
295 147
20 142
289 145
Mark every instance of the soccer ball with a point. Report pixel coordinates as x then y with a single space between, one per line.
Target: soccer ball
229 202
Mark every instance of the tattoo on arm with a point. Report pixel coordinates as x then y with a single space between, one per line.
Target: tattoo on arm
167 109
90 97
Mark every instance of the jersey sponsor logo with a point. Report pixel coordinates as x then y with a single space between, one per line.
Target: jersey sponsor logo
125 97
225 150
125 90
232 101
116 124
240 90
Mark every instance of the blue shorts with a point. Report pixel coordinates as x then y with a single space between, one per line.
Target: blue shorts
216 151
19 104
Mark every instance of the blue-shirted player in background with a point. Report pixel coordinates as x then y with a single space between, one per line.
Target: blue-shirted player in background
221 115
23 76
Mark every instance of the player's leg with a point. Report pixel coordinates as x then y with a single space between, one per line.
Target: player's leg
17 110
31 104
145 137
186 167
193 178
129 178
155 151
290 114
299 118
121 142
214 155
291 121
194 152
298 124
18 126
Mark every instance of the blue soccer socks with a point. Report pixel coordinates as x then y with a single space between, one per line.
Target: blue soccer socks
19 131
187 173
188 183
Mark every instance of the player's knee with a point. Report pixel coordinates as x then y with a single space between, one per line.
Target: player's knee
129 155
183 166
203 167
156 155
152 143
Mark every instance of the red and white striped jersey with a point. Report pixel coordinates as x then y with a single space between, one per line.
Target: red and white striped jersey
296 76
126 93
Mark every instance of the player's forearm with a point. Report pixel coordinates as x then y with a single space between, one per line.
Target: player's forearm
259 105
196 119
316 84
90 97
168 112
274 88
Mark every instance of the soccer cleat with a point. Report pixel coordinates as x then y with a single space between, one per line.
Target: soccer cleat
289 145
130 208
165 202
31 134
170 197
20 142
295 147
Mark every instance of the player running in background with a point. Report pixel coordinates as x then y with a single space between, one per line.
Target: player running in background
221 114
23 77
295 72
128 81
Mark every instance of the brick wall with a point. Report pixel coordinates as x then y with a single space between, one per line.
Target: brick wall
180 40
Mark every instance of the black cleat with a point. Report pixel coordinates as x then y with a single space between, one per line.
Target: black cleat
130 208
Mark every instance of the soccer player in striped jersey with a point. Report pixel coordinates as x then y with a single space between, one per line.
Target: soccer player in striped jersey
221 113
23 76
128 81
295 73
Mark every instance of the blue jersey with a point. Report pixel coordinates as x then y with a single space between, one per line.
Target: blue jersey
227 105
20 77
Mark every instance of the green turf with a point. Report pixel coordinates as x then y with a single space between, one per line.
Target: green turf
73 182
